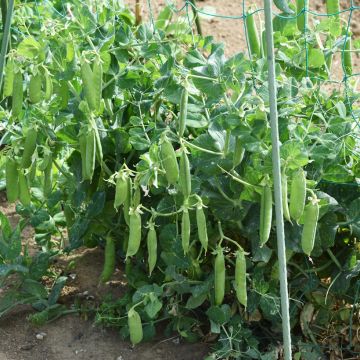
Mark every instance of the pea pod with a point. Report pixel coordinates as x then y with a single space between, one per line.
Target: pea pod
348 57
24 192
183 111
185 175
265 214
284 196
238 153
127 202
9 78
63 94
90 155
152 247
169 161
134 233
82 148
48 86
283 5
109 263
311 216
185 230
240 278
17 94
48 179
201 225
29 148
300 19
97 78
35 93
135 326
88 85
12 180
253 36
122 190
297 195
219 276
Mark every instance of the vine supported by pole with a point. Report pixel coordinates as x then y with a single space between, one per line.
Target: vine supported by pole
5 39
277 181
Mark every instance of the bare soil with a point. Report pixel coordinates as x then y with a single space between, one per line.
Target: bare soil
72 336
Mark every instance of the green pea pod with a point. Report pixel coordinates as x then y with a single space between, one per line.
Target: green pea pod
185 230
97 71
284 196
238 153
169 161
311 217
109 263
253 36
348 57
122 191
201 225
12 180
35 93
48 179
134 233
99 152
135 327
240 278
265 214
48 86
29 148
127 202
283 5
90 155
152 248
88 85
183 111
9 78
297 195
300 6
24 192
185 175
17 94
264 44
82 148
219 277
63 94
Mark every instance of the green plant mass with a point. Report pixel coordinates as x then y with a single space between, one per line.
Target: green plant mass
145 139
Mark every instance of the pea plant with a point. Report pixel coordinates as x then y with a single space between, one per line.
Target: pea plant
149 142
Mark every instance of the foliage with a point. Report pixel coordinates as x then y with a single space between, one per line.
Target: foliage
111 93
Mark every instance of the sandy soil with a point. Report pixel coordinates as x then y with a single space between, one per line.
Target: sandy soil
72 337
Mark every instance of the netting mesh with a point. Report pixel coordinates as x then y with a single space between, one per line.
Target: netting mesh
336 78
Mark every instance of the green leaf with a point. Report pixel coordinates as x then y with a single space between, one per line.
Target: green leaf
194 302
29 48
7 269
316 58
56 290
34 288
219 314
154 306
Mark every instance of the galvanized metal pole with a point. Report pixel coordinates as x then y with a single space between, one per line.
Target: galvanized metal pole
277 180
5 39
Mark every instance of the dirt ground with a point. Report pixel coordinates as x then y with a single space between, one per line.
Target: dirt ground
72 337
